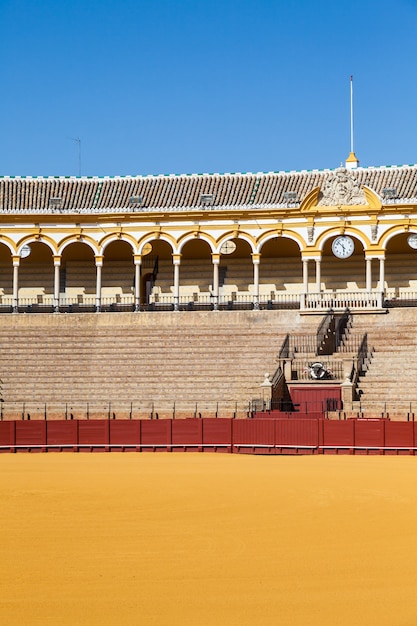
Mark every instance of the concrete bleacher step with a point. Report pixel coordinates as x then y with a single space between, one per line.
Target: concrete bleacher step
163 357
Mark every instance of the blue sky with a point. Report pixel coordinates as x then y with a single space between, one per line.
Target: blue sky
204 86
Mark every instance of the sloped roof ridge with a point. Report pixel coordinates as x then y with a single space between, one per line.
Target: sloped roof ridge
204 174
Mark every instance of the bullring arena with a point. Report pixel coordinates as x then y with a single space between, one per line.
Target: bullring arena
265 322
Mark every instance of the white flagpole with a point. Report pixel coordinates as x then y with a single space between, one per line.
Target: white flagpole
351 114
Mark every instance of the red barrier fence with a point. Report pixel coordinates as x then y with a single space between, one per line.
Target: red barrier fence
260 436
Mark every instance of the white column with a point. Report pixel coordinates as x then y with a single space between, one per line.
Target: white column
138 267
256 261
382 275
99 265
176 259
57 265
318 275
305 275
216 262
16 262
381 280
368 262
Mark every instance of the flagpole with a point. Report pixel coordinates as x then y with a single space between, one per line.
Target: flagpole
351 114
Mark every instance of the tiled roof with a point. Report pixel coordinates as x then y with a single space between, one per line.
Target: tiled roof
184 192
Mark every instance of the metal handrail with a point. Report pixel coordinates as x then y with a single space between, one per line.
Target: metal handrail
323 330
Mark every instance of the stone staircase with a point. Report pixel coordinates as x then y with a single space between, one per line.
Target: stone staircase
389 386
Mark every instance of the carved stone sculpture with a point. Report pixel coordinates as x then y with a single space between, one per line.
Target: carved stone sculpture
341 188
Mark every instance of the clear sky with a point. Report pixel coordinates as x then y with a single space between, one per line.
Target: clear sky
182 86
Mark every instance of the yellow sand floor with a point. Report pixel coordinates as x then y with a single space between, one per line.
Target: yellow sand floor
207 539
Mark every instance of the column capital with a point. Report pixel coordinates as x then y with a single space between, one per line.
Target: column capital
256 257
16 260
176 259
99 258
137 259
306 256
215 258
57 259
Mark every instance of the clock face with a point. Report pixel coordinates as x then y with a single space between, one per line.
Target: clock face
228 247
343 247
412 240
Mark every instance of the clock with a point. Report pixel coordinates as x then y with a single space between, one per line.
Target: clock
343 247
412 240
228 247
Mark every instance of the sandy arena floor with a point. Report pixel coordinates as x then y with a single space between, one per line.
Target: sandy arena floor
207 539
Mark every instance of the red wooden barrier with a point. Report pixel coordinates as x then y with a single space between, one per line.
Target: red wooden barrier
31 435
338 437
217 434
297 436
93 435
268 436
156 435
399 435
369 436
7 436
251 436
187 435
62 436
124 435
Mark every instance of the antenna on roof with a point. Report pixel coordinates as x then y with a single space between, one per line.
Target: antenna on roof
78 141
351 162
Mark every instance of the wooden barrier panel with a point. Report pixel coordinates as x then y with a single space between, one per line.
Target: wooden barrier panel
250 436
31 435
124 435
93 435
299 436
156 435
369 436
187 435
62 435
7 436
399 434
338 437
217 434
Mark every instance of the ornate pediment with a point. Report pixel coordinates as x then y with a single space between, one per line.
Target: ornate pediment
341 188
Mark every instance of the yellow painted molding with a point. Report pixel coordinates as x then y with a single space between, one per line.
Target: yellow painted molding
372 198
310 201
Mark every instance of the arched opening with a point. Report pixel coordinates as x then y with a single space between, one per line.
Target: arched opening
236 270
196 272
343 274
36 275
77 284
6 276
118 274
401 267
280 268
157 272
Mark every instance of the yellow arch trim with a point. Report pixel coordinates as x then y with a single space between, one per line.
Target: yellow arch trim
347 230
111 237
155 236
311 200
231 234
276 233
398 229
88 241
9 243
196 234
45 239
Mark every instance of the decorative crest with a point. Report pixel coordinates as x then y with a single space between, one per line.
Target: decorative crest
341 188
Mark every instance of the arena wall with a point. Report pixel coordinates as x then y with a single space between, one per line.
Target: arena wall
278 436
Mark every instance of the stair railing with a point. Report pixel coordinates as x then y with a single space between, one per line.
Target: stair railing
344 324
324 332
